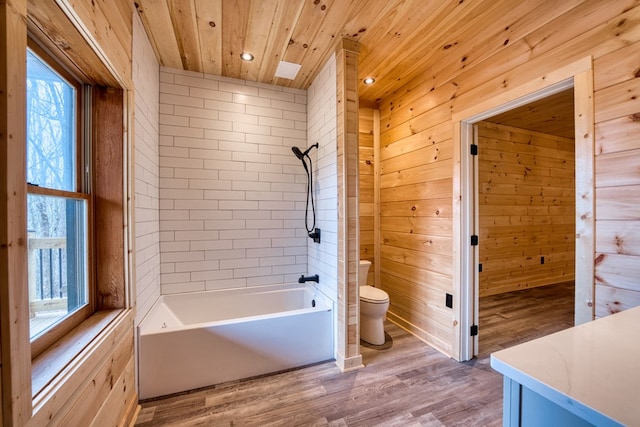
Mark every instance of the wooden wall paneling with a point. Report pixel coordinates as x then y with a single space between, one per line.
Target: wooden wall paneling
377 234
419 225
520 266
159 28
103 381
564 42
436 189
611 300
417 258
596 42
420 139
121 404
436 208
617 270
58 396
555 44
416 175
209 20
366 166
618 237
14 313
618 100
618 203
99 32
111 25
618 134
394 113
616 139
617 169
441 245
108 198
417 124
185 26
616 67
466 49
416 306
48 23
433 153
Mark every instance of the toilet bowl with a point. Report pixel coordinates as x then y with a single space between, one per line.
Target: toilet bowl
374 304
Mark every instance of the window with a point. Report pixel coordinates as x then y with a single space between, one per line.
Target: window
58 203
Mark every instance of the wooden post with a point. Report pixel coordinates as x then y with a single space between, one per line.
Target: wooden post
14 315
349 356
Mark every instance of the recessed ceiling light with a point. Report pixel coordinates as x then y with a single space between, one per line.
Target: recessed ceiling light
246 56
369 81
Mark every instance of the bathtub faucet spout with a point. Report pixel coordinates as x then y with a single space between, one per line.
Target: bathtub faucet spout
314 278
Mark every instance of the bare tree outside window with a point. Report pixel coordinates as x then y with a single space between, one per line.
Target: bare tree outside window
56 218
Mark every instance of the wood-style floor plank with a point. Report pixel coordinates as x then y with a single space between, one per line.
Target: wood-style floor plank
404 383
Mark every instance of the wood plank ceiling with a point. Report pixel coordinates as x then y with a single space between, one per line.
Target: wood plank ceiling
401 40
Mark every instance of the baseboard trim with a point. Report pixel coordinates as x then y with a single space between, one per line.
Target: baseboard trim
349 364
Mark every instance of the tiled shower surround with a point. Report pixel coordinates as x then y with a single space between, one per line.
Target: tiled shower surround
232 193
147 199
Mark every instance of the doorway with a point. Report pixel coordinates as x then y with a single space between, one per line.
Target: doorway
578 76
525 191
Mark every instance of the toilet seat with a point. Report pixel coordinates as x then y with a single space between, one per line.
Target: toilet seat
373 295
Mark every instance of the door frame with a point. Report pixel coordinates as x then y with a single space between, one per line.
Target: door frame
578 75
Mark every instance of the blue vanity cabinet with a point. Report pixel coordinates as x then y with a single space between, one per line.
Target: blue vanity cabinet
583 376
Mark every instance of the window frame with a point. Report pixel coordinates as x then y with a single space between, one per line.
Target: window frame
82 191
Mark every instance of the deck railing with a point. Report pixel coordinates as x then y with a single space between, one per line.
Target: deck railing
47 274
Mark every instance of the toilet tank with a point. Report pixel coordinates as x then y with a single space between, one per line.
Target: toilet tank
364 272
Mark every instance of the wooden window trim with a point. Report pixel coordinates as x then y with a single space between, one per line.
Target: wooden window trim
64 344
81 192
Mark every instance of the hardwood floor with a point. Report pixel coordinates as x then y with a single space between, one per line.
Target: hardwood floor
516 317
404 383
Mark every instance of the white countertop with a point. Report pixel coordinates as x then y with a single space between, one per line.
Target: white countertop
591 369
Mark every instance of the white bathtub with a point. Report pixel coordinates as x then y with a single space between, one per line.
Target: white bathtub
192 340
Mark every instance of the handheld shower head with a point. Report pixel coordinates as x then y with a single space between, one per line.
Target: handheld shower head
299 154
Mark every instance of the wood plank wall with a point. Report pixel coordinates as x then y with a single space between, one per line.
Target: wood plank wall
526 191
479 63
617 103
366 160
98 386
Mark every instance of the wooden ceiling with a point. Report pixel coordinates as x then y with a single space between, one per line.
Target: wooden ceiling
400 39
552 115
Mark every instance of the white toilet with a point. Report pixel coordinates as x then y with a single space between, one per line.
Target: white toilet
374 304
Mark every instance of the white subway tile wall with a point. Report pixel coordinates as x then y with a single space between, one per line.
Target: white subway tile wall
321 128
146 80
231 191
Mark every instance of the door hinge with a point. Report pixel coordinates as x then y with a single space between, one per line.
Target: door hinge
474 330
474 240
479 268
474 150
